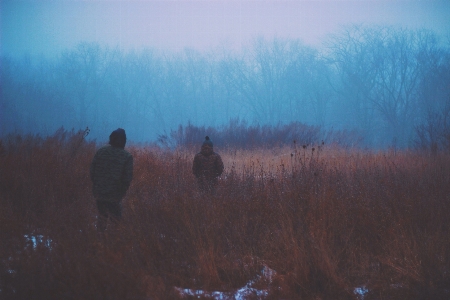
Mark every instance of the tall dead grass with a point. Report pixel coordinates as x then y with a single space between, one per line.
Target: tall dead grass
326 220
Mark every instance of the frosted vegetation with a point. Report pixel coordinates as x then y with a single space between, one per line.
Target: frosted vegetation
388 85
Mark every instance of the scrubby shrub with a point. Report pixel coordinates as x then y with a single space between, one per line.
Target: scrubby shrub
239 134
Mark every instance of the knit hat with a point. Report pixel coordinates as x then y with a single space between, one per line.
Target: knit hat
207 142
118 138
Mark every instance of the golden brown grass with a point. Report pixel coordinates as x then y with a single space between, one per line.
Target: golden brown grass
326 221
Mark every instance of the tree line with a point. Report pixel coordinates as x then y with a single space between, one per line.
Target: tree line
390 84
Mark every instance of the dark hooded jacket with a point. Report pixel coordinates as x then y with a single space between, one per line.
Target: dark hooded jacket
112 168
207 165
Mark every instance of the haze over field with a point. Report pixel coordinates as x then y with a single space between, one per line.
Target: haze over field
49 27
378 67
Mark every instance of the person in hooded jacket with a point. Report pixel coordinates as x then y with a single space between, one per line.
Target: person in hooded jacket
111 173
207 166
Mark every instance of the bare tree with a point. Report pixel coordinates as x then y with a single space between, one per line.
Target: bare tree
129 99
260 78
351 55
31 100
433 122
381 70
396 93
84 71
307 85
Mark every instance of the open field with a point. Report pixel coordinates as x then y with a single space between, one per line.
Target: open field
324 223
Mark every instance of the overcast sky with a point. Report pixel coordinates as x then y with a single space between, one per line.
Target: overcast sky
49 27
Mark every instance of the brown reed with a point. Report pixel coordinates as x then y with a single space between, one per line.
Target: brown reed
327 221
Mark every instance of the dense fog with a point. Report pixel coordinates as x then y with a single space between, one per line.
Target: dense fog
390 83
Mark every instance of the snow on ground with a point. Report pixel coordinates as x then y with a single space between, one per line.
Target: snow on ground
34 240
361 292
243 293
248 291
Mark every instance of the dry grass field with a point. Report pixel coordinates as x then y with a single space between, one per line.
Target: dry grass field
327 222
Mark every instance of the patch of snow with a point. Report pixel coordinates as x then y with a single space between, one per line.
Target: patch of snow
361 292
240 294
38 239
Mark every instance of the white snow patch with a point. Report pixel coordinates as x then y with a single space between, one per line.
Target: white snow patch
361 292
240 294
38 239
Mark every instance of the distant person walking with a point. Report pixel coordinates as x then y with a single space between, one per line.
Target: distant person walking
207 167
111 174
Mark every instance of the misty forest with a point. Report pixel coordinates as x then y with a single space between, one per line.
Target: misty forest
389 85
336 181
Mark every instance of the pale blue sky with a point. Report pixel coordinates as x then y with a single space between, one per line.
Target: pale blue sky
49 27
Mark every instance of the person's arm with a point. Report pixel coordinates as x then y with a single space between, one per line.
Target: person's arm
127 174
196 166
92 168
219 165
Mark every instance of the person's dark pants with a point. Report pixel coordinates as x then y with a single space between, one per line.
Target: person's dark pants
109 209
207 186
